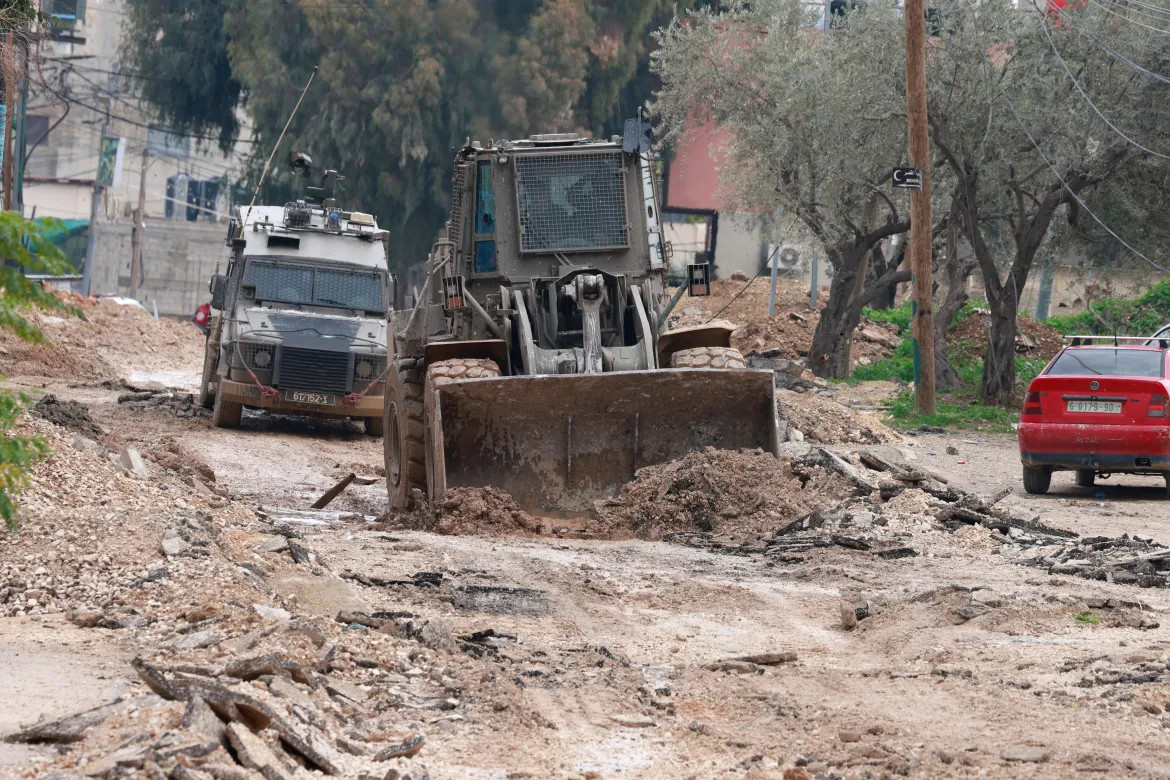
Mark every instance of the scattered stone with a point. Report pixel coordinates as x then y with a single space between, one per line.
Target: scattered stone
193 641
405 749
131 460
272 614
1025 754
86 445
254 753
767 659
952 449
849 736
201 721
272 544
85 617
173 546
63 730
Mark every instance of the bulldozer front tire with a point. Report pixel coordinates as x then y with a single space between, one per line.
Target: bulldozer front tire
403 440
438 374
226 414
708 357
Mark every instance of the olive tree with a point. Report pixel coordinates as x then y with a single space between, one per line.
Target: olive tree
816 127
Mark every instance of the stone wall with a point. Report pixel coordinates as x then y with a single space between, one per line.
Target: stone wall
178 259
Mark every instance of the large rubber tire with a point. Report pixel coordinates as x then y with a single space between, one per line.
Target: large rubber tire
708 357
1086 477
226 414
1037 480
438 374
403 442
210 360
375 426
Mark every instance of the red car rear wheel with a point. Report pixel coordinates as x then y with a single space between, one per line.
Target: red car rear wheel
1037 480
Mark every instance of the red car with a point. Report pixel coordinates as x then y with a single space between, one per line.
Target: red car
1098 408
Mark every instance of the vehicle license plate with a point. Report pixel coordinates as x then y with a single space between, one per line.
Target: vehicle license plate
1105 407
300 397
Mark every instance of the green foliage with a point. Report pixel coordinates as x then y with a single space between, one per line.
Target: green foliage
899 316
27 246
181 50
1139 316
1086 618
402 83
953 412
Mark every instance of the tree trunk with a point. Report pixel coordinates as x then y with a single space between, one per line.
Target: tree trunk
833 340
999 364
955 272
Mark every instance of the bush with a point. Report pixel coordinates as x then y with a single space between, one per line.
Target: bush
27 248
1139 316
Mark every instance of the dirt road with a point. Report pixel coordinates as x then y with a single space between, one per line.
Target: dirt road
552 657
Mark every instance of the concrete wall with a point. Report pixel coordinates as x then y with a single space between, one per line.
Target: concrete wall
178 259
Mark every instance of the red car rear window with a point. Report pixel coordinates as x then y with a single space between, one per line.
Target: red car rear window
1107 362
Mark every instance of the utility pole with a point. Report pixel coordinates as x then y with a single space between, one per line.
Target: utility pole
94 205
139 227
920 238
9 113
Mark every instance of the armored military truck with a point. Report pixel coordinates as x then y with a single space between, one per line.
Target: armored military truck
300 315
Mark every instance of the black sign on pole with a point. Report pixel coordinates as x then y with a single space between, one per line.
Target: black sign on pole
908 178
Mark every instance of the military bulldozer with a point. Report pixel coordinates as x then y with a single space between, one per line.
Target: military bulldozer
536 357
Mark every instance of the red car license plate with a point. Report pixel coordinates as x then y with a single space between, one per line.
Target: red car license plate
1101 407
301 397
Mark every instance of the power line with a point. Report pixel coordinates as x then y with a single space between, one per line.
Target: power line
1084 94
1109 49
1105 7
1073 194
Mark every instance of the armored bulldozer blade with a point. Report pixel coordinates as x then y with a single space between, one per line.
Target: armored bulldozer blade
557 443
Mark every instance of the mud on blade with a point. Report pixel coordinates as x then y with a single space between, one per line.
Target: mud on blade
556 443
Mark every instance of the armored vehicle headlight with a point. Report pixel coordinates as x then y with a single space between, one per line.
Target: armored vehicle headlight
363 369
263 358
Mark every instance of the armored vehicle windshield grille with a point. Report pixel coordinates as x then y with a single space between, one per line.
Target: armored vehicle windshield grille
317 286
313 369
571 202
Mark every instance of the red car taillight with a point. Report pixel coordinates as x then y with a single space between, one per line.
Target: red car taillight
1157 405
1032 402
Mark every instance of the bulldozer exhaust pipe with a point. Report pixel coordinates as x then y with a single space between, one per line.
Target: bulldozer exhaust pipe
558 443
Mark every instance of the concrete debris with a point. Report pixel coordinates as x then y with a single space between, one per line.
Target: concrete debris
182 405
172 546
63 730
271 614
131 460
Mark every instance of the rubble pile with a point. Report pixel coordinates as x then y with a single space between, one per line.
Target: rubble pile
238 679
788 334
821 419
890 510
108 342
1129 560
486 512
177 402
734 495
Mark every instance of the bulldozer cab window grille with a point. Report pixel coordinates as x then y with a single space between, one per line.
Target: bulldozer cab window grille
572 202
484 261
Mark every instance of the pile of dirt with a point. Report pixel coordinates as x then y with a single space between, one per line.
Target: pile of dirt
735 494
823 420
484 512
234 675
67 414
109 342
789 333
1033 339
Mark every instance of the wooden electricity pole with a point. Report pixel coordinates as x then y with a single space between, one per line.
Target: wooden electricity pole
920 239
9 114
